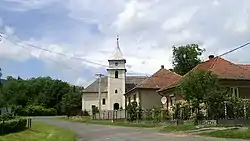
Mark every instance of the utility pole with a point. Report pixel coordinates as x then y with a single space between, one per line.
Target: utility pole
99 89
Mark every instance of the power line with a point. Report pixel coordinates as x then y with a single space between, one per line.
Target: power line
230 51
47 50
20 44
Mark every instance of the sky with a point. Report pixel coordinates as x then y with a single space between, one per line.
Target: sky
87 29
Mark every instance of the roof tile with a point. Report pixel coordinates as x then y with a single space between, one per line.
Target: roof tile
224 69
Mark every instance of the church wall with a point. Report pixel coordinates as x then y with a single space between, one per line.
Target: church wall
90 99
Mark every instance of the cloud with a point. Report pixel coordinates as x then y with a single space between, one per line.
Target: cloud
26 5
147 29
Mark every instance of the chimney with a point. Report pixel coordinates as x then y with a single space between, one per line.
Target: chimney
162 66
211 56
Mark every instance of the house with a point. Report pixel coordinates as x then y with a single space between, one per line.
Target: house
145 94
112 87
235 77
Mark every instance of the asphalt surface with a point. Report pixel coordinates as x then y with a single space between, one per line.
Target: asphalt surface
91 132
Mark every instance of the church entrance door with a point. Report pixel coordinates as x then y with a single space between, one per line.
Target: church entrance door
116 106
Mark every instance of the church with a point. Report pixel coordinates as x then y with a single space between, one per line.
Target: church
112 87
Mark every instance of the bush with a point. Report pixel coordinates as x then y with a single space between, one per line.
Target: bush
12 126
84 113
35 111
7 116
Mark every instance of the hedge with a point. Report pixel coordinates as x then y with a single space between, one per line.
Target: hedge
7 116
35 111
12 126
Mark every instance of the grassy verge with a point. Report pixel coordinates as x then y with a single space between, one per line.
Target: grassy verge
230 133
161 127
41 132
172 128
87 120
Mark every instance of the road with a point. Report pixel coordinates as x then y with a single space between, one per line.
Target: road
91 132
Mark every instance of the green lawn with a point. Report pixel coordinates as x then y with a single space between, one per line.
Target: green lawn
173 128
41 132
230 133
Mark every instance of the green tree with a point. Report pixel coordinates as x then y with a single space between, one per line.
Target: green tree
41 91
202 87
186 57
71 101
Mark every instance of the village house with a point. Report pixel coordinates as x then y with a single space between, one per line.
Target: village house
235 77
145 94
112 87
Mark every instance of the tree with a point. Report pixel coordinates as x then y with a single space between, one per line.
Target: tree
186 57
202 87
42 91
71 101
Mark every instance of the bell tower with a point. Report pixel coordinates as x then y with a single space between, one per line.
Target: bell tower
116 79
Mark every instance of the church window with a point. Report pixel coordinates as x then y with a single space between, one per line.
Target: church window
116 74
116 91
116 63
103 101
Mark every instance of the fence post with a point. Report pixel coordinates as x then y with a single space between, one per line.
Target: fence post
137 115
30 123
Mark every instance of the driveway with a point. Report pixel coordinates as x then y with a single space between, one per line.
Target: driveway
91 132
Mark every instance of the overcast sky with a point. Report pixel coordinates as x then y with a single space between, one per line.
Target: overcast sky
87 28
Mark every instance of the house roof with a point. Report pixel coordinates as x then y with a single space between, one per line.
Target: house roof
224 69
245 66
131 82
159 79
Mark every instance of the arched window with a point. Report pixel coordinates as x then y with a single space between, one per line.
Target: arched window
116 91
103 101
116 74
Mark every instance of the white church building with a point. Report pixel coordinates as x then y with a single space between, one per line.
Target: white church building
112 87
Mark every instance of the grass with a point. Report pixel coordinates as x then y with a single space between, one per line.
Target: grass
41 132
173 128
230 133
162 128
88 120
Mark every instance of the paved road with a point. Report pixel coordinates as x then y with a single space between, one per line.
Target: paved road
90 132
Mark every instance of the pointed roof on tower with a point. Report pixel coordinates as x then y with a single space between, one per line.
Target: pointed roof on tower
117 53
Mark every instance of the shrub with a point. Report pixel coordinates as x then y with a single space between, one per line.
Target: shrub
12 126
32 110
84 113
7 116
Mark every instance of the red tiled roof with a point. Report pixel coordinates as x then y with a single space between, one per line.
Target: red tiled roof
245 66
222 68
161 78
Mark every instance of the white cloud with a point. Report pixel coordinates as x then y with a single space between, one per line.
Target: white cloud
148 29
180 21
25 5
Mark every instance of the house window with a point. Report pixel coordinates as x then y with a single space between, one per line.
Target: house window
116 91
103 101
234 91
129 99
134 97
116 74
172 101
116 64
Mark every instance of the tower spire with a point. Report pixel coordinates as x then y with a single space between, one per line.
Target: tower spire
117 54
117 40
